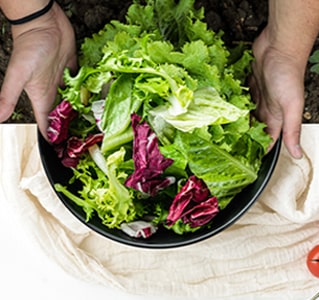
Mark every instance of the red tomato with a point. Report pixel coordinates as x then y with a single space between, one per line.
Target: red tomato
313 261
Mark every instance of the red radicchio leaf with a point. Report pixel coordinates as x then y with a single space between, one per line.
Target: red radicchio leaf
149 163
59 120
76 146
70 162
201 213
67 161
152 187
192 205
139 229
70 151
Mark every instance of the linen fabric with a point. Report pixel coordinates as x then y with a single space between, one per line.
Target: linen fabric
262 256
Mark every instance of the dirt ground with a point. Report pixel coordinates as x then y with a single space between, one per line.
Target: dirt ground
240 21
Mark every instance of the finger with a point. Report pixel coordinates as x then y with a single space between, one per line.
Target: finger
6 108
274 130
42 105
292 130
72 65
42 122
11 90
42 111
262 113
254 89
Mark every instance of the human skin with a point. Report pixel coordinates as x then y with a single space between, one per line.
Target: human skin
281 55
42 49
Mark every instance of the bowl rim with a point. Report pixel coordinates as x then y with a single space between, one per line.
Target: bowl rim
48 158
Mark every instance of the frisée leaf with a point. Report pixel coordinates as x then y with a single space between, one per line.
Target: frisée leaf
103 193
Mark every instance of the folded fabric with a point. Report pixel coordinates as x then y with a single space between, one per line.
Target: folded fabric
262 256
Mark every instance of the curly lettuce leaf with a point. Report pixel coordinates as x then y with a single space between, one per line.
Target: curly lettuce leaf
88 79
92 48
101 194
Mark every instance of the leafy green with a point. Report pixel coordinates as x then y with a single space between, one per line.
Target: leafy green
314 59
207 100
224 174
119 106
103 193
165 65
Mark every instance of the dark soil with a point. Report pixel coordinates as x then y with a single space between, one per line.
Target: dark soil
241 21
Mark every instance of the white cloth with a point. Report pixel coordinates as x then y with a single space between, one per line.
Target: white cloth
262 256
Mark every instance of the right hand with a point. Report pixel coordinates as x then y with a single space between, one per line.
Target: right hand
277 87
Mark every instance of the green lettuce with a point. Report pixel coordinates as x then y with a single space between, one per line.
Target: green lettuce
217 111
103 193
167 66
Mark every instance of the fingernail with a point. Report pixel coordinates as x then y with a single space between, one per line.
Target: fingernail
297 152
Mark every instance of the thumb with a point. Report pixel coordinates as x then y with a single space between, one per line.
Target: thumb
12 87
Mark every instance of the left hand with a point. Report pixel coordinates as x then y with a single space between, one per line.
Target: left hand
42 49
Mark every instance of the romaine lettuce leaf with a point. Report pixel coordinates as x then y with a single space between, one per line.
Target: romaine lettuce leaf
116 119
207 108
225 175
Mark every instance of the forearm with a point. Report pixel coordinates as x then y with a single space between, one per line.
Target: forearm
293 26
16 9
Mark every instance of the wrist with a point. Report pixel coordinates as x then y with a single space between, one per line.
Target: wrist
47 21
295 47
30 17
293 26
17 9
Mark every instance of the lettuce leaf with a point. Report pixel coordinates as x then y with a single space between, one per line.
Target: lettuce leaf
224 173
166 66
217 111
116 119
104 195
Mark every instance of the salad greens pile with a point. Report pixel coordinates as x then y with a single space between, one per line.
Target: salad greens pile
157 121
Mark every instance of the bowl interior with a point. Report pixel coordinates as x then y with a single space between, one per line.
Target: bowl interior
57 173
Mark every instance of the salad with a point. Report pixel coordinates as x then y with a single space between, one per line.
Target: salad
157 123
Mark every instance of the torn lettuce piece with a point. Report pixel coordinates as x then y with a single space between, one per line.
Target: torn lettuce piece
59 119
224 174
192 207
207 108
120 103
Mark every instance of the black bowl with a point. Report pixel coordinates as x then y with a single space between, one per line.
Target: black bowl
163 238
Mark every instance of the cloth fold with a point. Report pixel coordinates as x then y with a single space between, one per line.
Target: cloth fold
261 256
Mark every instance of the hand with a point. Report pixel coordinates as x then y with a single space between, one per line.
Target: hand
277 87
42 49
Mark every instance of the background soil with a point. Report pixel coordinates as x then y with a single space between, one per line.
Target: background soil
240 21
